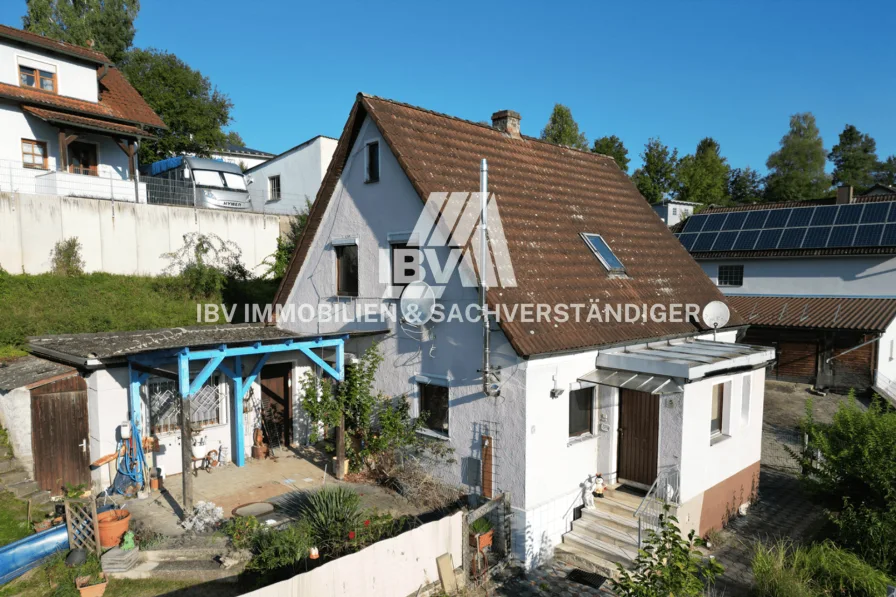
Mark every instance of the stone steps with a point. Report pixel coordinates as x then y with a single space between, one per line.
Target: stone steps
200 570
605 533
586 560
13 476
619 554
627 523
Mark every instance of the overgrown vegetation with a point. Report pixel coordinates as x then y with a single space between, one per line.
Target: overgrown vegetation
204 264
669 564
783 569
851 465
287 243
65 258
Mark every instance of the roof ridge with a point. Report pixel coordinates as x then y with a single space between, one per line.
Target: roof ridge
50 41
481 125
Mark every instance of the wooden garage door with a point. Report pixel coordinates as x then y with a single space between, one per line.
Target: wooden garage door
796 361
276 398
60 434
639 431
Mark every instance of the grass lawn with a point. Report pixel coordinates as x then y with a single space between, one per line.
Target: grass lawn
13 519
51 304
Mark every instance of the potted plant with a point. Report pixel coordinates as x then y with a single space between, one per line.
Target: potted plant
93 585
481 533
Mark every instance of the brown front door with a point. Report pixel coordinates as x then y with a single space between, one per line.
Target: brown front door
60 434
639 428
276 399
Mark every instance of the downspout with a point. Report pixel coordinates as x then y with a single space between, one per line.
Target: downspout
483 273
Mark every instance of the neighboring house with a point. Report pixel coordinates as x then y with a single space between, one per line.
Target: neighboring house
815 279
651 403
672 212
241 156
288 182
70 123
881 189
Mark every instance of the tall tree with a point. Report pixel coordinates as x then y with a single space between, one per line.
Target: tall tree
561 129
613 147
854 158
703 177
796 170
656 179
234 138
108 23
194 110
885 172
744 184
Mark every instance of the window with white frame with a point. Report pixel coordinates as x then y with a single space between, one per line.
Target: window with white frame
731 275
206 406
372 162
746 398
674 211
718 410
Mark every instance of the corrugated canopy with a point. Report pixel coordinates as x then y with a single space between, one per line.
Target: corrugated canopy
642 382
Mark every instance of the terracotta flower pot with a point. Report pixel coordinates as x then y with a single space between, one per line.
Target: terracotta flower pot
113 525
86 590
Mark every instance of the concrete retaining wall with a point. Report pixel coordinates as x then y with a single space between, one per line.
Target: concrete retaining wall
120 238
397 566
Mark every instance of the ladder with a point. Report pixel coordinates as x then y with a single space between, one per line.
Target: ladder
268 425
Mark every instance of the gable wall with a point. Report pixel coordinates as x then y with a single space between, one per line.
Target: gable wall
73 78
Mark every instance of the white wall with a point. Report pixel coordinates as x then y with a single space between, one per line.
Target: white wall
120 238
873 276
15 417
301 171
886 353
74 78
393 567
107 408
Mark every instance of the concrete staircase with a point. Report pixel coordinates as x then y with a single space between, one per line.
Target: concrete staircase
604 536
189 563
15 479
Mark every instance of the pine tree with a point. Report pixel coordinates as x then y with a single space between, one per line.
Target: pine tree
561 129
854 158
656 179
744 184
796 170
885 172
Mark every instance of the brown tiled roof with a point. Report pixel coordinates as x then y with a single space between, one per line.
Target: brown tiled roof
547 196
864 314
52 44
84 121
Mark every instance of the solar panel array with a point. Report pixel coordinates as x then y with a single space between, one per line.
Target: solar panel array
816 227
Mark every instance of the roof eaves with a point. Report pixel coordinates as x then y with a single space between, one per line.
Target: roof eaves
52 45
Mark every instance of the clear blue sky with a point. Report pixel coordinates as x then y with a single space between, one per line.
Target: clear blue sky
676 69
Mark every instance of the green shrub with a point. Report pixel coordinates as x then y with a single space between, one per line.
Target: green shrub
242 530
283 548
333 515
667 565
480 526
783 569
65 258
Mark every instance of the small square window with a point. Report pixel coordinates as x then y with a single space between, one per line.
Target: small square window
347 270
372 161
731 275
718 409
34 154
434 407
274 188
604 254
581 411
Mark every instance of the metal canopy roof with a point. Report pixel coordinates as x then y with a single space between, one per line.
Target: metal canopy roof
661 367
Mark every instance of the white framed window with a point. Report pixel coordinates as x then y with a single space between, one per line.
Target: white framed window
731 275
746 398
720 412
274 188
372 162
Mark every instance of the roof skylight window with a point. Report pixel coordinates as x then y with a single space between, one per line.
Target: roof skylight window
603 252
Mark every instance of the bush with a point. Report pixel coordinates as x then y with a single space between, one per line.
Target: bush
65 258
785 570
204 263
284 548
242 531
333 515
667 565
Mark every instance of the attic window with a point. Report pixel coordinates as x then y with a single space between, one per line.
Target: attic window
603 252
372 162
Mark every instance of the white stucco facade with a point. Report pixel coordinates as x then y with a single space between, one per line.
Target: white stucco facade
301 170
74 78
534 457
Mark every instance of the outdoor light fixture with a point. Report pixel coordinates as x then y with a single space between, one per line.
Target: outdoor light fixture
557 392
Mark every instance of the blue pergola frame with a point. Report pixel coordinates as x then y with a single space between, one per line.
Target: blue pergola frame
215 358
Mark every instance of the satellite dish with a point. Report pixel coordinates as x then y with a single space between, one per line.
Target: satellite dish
417 303
716 314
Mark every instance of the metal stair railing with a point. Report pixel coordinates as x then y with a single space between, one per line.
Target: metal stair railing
665 490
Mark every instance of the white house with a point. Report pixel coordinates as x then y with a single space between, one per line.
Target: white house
70 123
815 279
672 211
243 157
288 182
656 404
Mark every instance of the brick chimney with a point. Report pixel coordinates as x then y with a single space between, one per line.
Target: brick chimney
844 195
507 121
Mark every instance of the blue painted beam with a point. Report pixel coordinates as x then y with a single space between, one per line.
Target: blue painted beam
266 348
239 443
336 374
183 373
206 372
135 379
250 379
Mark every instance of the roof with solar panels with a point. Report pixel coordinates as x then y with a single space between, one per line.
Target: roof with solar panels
866 226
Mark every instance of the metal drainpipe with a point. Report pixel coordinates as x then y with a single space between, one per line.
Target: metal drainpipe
483 272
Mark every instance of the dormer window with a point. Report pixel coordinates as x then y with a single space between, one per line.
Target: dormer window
604 254
30 76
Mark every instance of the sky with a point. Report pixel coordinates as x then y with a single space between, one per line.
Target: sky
679 70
